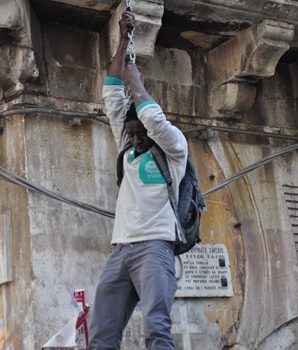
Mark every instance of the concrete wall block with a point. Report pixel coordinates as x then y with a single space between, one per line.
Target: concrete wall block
100 5
272 41
16 298
17 61
17 65
167 64
277 99
234 97
73 83
179 99
69 245
253 52
69 46
249 56
270 262
148 17
72 63
15 17
148 22
176 82
9 14
282 338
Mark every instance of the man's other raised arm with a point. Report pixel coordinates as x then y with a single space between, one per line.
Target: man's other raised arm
159 129
113 90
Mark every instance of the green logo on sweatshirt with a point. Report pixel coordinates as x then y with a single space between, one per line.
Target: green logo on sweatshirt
148 170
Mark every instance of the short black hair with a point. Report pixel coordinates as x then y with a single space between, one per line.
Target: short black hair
131 114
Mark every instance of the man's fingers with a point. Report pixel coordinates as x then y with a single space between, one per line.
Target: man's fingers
127 20
130 65
128 15
132 69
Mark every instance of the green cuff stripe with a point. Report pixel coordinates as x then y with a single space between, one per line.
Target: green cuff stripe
144 104
113 81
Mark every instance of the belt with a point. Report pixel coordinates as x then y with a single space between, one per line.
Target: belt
131 244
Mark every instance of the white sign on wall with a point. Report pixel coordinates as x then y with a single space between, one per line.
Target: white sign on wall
6 263
204 271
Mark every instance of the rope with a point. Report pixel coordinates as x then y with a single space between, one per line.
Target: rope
9 176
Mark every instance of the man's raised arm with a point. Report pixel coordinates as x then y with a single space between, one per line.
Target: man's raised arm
126 24
113 92
159 129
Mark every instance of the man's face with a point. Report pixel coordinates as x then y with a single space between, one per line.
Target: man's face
138 136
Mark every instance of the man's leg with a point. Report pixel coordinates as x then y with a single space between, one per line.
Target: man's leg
115 301
153 275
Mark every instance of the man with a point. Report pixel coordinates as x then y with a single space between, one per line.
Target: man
142 265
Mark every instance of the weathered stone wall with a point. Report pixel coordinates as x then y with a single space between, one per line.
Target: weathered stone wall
276 101
16 294
57 248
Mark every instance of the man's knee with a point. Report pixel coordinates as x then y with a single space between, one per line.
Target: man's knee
104 341
158 333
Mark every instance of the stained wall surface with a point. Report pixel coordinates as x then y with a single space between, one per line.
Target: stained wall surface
59 65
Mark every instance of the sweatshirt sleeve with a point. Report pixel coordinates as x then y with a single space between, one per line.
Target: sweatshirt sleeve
115 102
160 130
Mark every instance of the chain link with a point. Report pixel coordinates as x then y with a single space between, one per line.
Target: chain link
132 55
132 48
131 44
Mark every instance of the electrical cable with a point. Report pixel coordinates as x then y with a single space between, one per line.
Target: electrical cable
101 117
249 169
9 176
18 180
240 131
98 116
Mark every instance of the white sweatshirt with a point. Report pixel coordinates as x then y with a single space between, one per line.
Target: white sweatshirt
143 209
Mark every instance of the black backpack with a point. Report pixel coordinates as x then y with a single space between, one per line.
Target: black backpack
188 209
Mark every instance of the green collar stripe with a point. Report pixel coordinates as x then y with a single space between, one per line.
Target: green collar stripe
109 80
131 155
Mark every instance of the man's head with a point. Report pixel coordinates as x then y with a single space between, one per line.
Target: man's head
136 131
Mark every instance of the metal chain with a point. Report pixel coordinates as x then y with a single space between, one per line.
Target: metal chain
131 43
128 5
132 55
132 48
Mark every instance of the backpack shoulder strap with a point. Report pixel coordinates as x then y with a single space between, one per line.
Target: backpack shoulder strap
161 161
120 170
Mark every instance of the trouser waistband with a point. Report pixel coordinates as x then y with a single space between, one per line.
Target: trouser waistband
131 244
127 244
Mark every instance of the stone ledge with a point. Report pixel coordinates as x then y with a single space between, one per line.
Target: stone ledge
16 55
251 55
148 22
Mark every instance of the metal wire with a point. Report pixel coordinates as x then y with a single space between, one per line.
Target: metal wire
101 117
9 176
18 180
211 128
249 169
32 108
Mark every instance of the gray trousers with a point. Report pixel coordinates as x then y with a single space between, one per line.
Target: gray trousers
144 272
